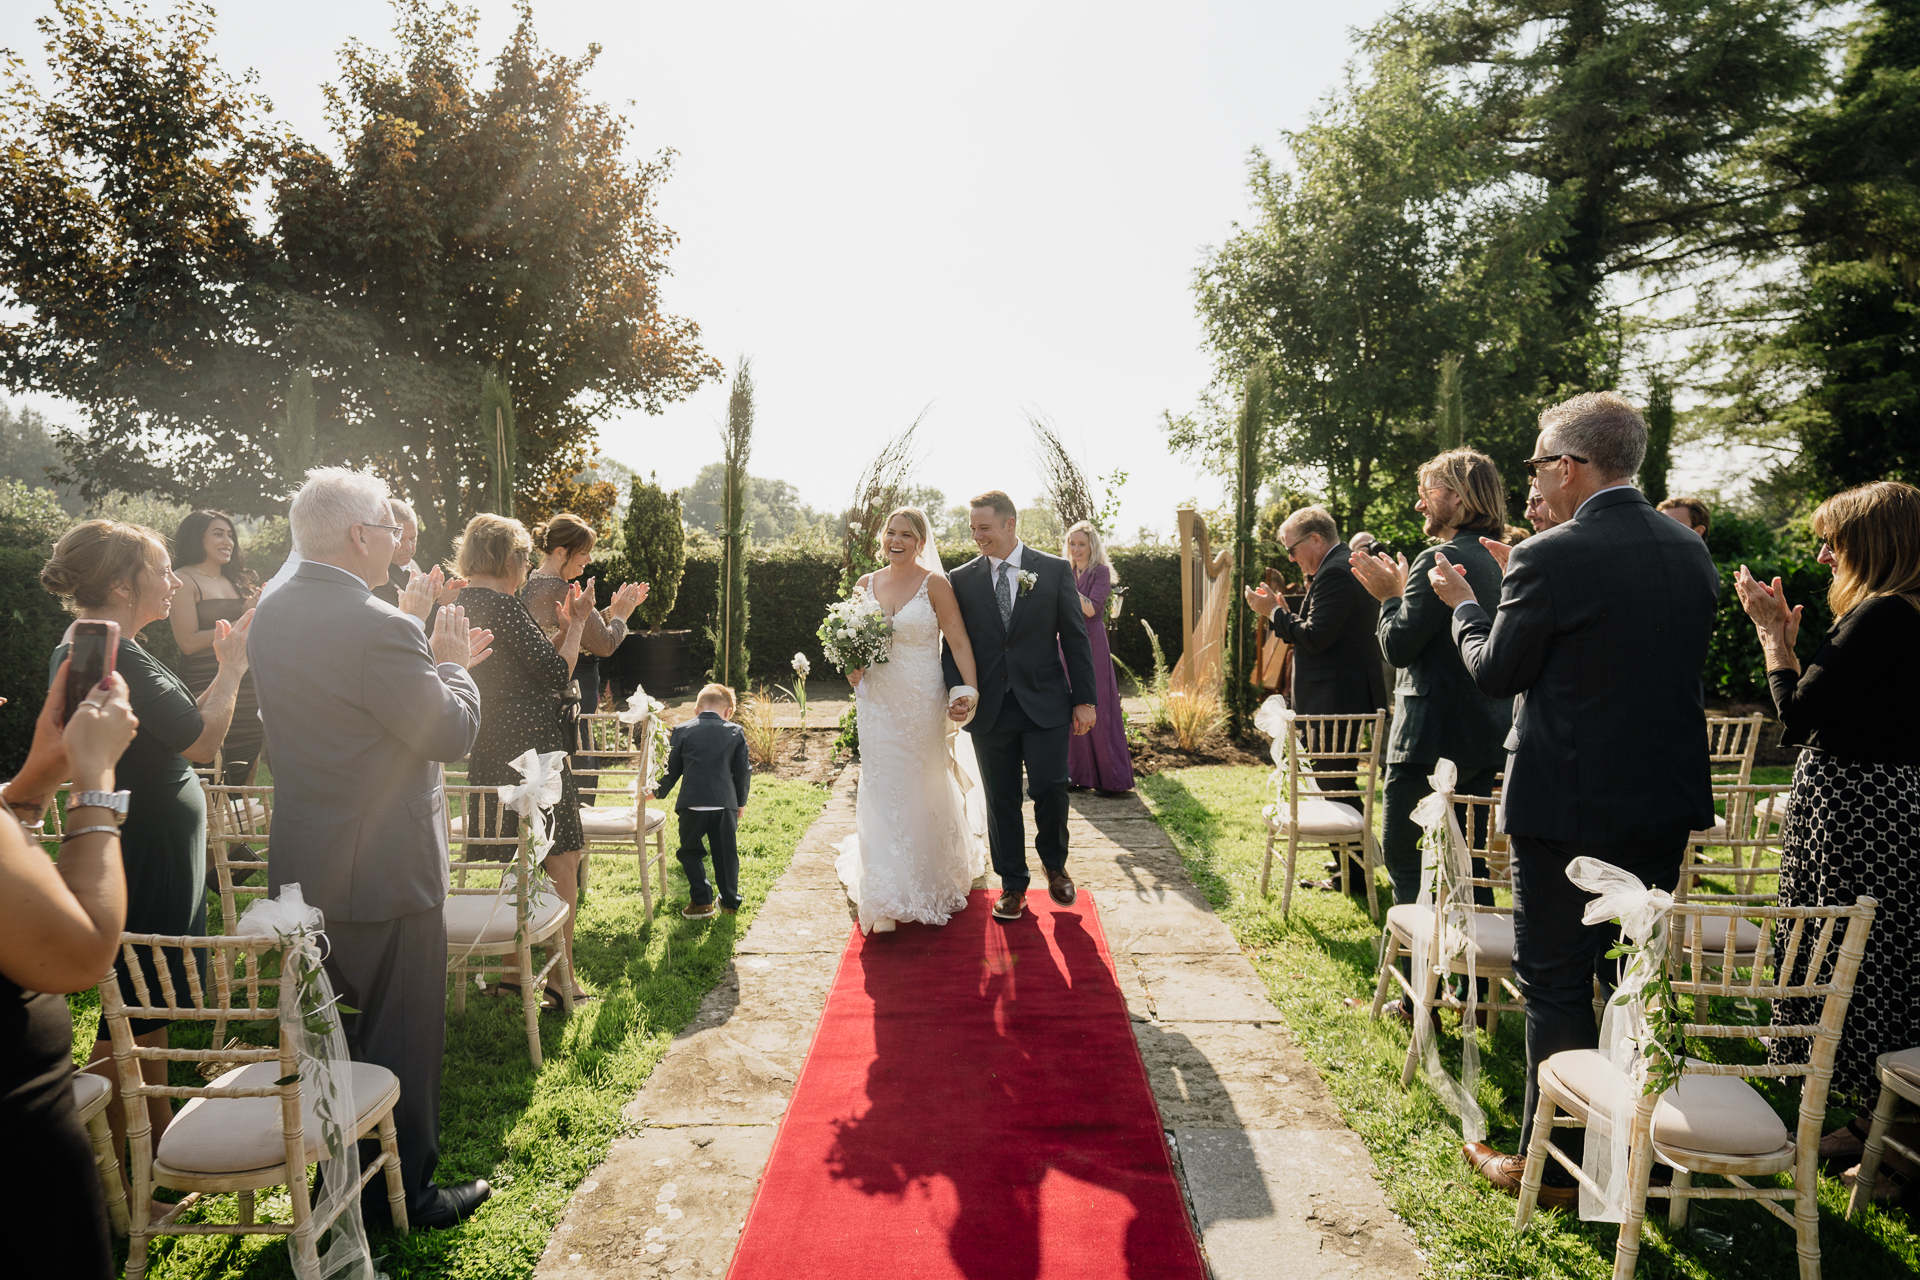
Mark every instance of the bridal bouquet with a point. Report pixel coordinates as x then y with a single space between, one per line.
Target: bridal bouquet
856 632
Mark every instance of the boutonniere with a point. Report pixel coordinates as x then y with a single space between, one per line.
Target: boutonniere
1027 581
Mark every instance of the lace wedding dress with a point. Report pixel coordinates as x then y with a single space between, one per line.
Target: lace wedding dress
920 826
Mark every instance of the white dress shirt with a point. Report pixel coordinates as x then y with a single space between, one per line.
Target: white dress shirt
1013 558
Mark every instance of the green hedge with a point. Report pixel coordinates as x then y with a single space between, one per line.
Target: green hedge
790 590
31 624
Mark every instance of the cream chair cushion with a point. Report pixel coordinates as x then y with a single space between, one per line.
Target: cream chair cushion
1713 1115
1320 819
1713 935
608 822
91 1094
476 919
233 1135
1492 934
1904 1063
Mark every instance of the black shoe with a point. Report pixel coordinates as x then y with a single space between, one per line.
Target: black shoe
1112 795
441 1207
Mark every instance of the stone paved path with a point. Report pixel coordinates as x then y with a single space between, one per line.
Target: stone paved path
1278 1186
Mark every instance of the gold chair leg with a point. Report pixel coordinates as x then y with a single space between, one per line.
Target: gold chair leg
1266 863
1806 1211
530 1003
1883 1113
1389 957
396 1185
1429 984
1678 1205
109 1166
1370 855
1286 890
246 1207
1536 1165
461 974
1626 1250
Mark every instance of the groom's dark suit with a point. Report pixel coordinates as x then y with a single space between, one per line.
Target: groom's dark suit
1025 712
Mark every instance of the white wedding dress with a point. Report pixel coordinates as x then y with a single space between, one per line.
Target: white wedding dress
920 829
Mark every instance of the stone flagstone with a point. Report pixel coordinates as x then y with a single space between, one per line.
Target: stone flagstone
1276 1183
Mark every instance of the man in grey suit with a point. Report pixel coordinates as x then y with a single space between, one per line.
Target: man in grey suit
1603 623
359 710
1438 712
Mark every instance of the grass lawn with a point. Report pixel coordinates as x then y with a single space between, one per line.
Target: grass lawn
535 1137
1325 953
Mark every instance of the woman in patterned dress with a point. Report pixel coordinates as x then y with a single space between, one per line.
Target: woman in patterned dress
526 694
1853 818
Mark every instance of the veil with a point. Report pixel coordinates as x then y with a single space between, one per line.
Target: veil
929 557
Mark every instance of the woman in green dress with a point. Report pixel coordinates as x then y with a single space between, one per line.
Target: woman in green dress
113 572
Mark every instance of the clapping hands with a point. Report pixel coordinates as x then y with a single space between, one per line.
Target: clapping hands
576 607
1767 606
629 597
230 642
1384 579
455 642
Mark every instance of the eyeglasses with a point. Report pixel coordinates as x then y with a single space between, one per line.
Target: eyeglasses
393 529
1533 465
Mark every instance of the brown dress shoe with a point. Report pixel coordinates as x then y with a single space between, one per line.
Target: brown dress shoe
1504 1171
1010 904
1060 889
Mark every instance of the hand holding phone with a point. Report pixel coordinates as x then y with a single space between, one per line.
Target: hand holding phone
90 661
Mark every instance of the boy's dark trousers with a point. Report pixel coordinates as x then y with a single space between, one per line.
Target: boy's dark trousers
718 827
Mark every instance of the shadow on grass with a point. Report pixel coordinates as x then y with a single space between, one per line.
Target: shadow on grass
1324 953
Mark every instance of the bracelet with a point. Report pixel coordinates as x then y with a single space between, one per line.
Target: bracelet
77 832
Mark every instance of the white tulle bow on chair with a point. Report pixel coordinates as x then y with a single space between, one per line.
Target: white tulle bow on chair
539 790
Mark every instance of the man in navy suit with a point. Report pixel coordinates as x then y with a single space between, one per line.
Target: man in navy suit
1022 612
1603 624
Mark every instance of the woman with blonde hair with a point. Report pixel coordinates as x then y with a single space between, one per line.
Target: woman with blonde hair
1853 819
1099 760
526 691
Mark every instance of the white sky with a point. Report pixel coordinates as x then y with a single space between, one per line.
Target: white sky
980 211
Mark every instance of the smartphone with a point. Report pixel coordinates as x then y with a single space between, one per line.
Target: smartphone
90 659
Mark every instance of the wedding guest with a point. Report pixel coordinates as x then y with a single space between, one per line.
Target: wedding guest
1537 514
1691 512
526 698
107 571
60 926
1609 754
1098 760
1362 541
1438 714
401 568
1337 662
215 584
710 752
1853 820
362 710
565 543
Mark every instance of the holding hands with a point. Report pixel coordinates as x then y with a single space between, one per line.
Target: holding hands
1384 579
455 642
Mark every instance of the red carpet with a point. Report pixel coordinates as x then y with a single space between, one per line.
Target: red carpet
974 1106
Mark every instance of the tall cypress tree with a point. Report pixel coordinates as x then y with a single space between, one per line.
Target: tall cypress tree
736 501
1659 460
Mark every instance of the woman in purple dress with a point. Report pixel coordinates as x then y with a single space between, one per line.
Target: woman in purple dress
1098 760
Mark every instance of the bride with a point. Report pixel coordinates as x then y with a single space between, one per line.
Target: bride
920 826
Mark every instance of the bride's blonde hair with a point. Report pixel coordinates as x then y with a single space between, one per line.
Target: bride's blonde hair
915 517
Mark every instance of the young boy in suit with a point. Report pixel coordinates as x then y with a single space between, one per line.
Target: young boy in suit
710 752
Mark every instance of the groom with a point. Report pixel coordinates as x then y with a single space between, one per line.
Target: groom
1022 611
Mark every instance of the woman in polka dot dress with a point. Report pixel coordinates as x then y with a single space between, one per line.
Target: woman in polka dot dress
525 689
1853 818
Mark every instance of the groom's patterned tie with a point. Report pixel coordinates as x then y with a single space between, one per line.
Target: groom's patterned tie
1004 590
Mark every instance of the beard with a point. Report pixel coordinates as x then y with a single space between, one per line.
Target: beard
1434 524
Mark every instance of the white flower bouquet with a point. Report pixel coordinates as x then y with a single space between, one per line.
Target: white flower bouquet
856 633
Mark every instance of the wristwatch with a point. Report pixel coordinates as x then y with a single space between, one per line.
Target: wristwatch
115 801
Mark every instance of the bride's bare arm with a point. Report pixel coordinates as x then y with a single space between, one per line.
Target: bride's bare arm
947 608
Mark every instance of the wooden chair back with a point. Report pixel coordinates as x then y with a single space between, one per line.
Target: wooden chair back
236 817
1755 830
1731 744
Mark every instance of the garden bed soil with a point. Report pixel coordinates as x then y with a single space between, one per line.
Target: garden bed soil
806 755
1156 749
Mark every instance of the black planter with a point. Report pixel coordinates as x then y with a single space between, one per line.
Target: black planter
656 661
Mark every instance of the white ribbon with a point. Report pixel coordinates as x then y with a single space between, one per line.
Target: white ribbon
1642 913
540 790
1446 889
1275 720
639 707
325 1076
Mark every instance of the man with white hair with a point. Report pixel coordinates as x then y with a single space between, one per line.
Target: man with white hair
1603 624
360 708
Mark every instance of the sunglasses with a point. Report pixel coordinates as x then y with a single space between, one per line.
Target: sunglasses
1533 465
